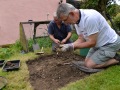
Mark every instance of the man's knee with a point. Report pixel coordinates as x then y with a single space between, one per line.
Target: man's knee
90 64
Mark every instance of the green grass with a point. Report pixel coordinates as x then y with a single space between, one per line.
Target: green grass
19 80
105 80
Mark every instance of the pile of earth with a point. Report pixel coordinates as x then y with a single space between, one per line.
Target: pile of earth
50 72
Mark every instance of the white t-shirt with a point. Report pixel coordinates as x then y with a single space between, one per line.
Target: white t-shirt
93 22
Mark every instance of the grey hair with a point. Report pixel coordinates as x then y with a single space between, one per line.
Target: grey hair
65 9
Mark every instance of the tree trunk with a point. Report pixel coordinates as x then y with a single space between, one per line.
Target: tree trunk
102 7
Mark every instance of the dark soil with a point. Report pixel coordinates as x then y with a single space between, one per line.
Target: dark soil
54 71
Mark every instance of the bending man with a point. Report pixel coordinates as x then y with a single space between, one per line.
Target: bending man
94 32
59 33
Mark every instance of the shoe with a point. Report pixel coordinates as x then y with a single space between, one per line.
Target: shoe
117 57
78 62
81 65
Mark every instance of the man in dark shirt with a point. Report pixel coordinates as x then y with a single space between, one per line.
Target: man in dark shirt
59 33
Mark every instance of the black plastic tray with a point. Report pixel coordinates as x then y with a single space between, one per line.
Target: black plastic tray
11 65
1 63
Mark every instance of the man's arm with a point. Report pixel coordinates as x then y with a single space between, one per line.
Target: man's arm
53 39
67 38
51 32
80 43
91 42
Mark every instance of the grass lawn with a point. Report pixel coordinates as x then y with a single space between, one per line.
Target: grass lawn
18 80
105 80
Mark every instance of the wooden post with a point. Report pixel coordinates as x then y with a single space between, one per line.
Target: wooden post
23 39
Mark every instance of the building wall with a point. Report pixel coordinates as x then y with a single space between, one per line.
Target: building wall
12 12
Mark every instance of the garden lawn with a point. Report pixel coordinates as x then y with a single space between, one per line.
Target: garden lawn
18 80
104 80
108 79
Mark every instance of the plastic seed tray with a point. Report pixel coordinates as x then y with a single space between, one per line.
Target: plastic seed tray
11 65
1 63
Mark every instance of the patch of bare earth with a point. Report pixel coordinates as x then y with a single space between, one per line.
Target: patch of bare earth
54 71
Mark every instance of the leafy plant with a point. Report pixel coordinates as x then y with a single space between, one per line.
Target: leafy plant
30 43
74 36
5 53
117 21
16 47
12 49
113 10
43 42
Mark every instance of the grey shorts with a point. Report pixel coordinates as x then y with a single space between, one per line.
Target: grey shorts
104 53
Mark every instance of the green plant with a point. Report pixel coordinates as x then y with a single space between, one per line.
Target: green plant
5 53
74 36
113 10
43 42
117 21
16 47
12 49
30 43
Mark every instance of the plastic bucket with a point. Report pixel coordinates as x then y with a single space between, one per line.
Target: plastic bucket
84 51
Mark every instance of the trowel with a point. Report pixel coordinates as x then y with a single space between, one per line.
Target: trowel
41 51
35 45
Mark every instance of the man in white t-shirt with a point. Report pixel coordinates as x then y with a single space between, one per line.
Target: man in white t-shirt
94 32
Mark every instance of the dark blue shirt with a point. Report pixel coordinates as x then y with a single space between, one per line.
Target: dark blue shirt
59 33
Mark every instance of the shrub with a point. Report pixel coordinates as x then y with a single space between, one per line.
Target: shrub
117 21
5 53
17 47
46 42
74 36
12 49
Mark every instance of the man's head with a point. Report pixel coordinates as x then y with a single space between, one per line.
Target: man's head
67 13
56 20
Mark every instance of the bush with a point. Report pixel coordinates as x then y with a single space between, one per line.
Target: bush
46 41
17 48
74 36
5 53
117 21
113 10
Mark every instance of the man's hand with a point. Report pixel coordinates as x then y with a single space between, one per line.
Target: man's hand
67 47
63 41
57 41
